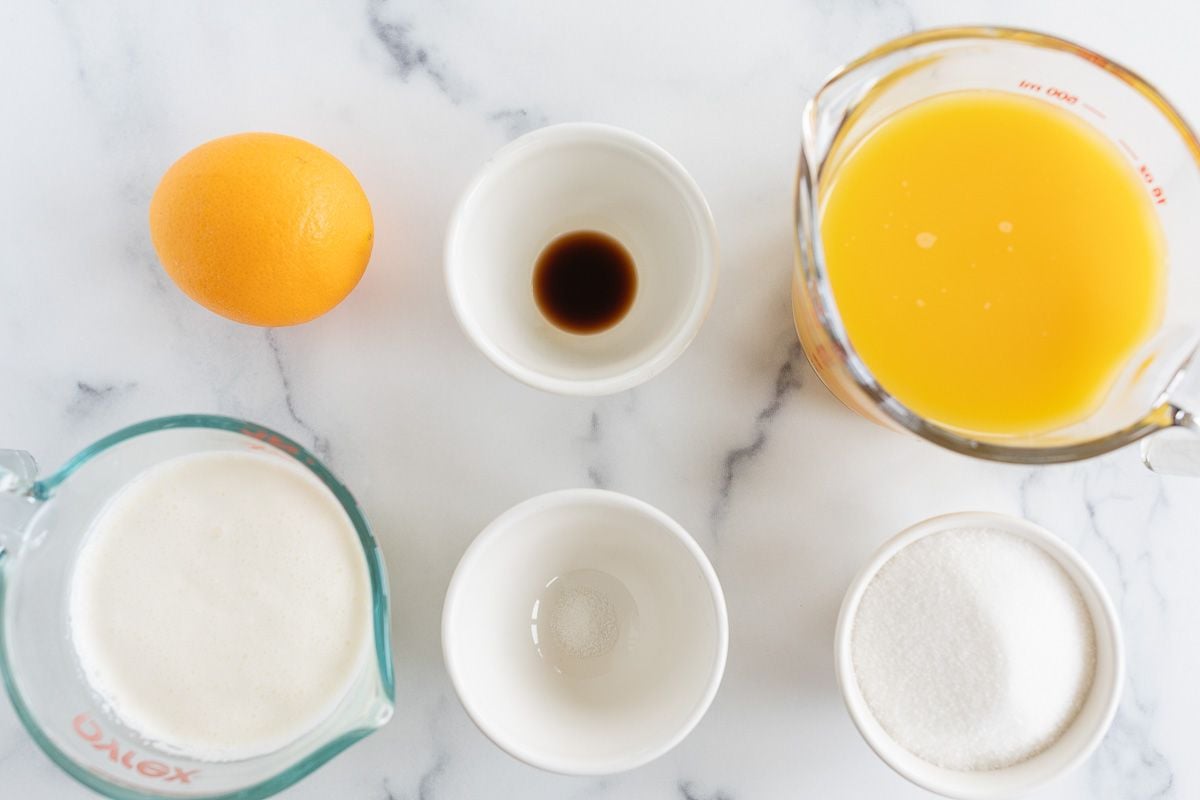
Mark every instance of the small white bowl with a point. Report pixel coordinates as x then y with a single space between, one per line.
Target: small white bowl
566 178
603 712
1080 738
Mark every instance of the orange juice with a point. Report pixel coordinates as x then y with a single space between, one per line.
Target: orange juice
995 260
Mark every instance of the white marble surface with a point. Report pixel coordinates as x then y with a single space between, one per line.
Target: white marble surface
787 492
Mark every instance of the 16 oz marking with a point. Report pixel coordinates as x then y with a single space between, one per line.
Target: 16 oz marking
1156 191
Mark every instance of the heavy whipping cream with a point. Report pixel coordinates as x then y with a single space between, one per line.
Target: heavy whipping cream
220 604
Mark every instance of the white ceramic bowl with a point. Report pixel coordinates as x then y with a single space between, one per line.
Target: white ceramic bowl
602 713
571 177
1076 743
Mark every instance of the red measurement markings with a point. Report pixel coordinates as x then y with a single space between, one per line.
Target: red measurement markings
271 439
1054 92
1063 95
1156 191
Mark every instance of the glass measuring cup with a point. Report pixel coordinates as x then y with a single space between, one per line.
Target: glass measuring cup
1158 391
43 523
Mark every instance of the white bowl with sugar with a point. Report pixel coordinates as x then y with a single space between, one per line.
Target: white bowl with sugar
979 656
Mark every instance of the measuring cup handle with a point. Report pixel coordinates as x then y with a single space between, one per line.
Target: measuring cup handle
18 471
1176 450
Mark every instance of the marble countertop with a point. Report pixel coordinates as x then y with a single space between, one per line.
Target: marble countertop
785 490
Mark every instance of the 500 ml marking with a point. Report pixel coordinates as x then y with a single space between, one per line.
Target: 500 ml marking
1062 95
1057 94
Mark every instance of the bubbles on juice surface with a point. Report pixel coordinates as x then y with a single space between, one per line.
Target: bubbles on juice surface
584 623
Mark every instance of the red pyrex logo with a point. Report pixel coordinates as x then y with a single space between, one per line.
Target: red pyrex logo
90 731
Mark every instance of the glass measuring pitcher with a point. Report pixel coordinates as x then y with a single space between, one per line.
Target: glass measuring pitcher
42 525
1158 390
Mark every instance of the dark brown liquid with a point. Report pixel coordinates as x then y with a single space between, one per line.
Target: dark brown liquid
584 282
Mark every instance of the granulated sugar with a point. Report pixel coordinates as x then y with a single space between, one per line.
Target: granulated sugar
973 649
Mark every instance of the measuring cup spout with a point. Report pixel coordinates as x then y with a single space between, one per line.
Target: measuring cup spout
1176 450
379 713
18 471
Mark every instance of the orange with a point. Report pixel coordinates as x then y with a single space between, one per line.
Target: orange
262 228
